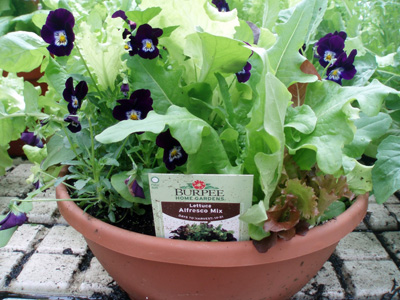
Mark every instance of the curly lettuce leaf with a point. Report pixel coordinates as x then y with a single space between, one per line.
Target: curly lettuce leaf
306 200
368 130
102 51
333 128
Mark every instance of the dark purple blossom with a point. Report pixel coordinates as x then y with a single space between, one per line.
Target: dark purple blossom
221 5
74 96
57 31
343 68
244 74
145 42
136 190
31 139
135 108
12 220
125 89
74 124
174 155
330 47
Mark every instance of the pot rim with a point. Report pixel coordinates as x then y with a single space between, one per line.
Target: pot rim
239 253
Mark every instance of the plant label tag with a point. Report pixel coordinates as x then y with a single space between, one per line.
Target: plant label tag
200 206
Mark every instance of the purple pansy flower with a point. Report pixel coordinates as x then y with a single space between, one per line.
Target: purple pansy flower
12 220
343 68
244 74
31 139
221 5
145 42
330 47
174 155
135 108
74 96
57 31
74 124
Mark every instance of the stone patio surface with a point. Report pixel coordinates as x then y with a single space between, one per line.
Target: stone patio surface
48 259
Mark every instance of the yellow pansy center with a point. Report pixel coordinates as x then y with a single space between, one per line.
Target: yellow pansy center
175 153
60 38
133 115
329 55
335 74
75 102
147 45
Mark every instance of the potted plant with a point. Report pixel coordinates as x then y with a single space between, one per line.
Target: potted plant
192 88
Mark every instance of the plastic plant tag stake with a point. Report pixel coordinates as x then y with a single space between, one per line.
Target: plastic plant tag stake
214 200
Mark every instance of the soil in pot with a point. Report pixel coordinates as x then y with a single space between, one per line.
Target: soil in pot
143 224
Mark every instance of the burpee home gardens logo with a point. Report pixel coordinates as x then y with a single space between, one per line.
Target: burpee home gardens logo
199 190
200 206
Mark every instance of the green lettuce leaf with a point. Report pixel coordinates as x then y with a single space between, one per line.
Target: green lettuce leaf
213 54
265 134
386 172
333 129
284 55
21 51
163 84
102 52
368 129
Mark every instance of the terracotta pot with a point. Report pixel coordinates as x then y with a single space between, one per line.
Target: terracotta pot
148 267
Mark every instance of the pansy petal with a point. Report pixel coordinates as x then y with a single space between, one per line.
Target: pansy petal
119 14
47 34
12 220
69 89
137 190
31 139
81 90
119 112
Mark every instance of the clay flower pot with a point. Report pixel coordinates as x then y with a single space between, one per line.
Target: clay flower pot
148 267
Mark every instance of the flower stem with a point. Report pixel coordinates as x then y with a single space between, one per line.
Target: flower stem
73 147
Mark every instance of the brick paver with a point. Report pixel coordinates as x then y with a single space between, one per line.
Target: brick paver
49 258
